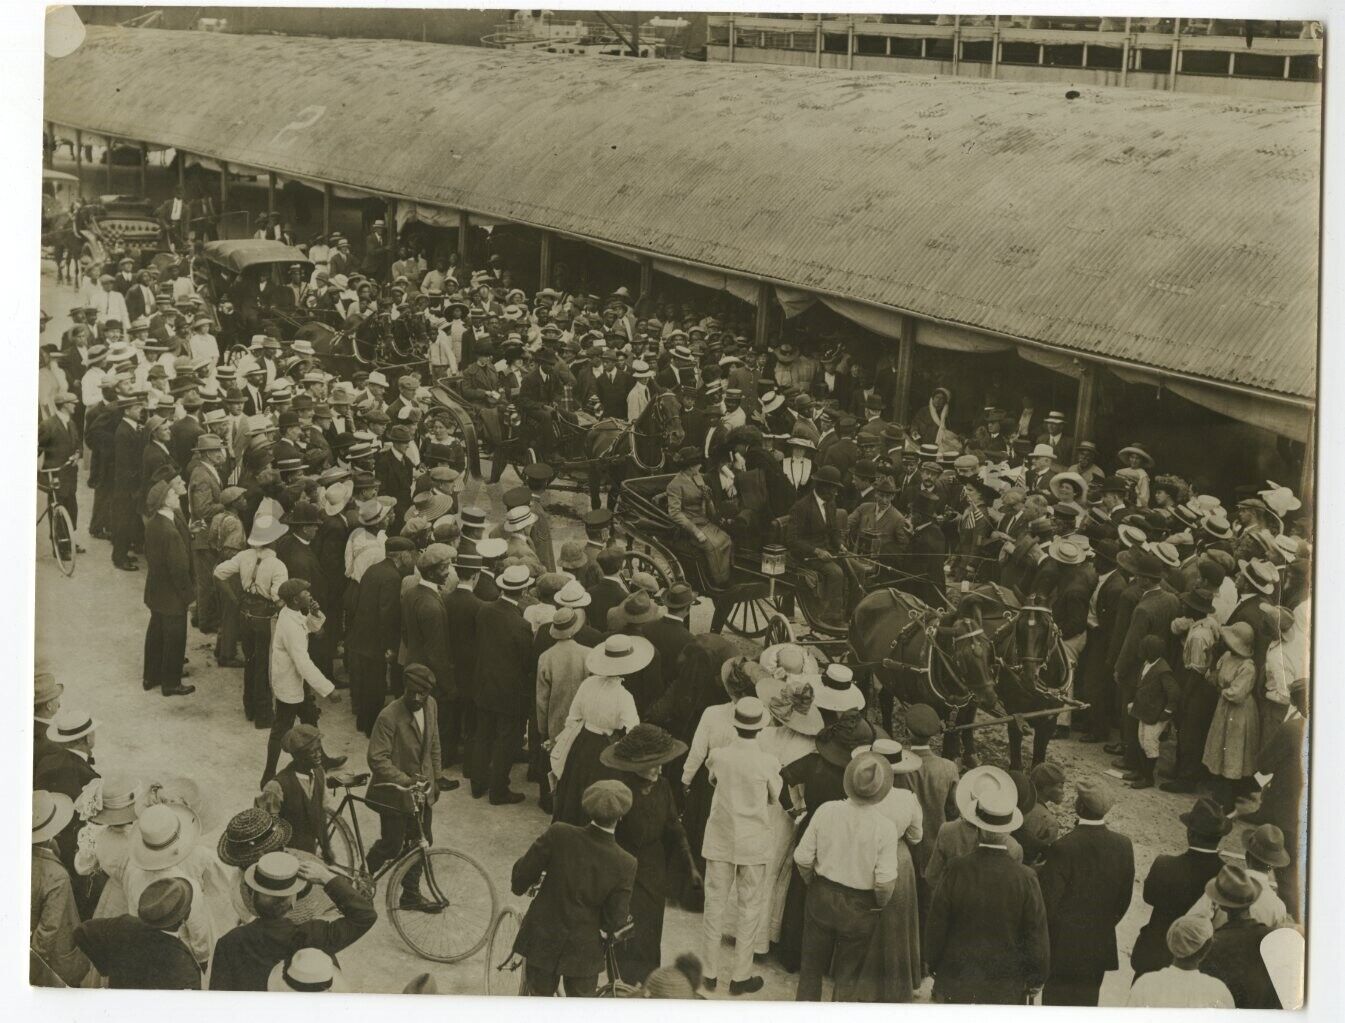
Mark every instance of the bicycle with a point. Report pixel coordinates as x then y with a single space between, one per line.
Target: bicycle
60 529
460 898
505 970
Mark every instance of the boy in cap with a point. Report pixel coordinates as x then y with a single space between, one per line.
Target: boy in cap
1086 885
935 784
1182 985
586 883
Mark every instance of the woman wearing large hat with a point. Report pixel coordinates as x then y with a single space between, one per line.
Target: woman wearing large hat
110 806
691 505
602 707
651 831
1234 738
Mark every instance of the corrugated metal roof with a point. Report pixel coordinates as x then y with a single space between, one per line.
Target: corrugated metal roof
1166 230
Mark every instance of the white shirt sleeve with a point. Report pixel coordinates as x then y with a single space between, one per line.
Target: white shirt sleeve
294 643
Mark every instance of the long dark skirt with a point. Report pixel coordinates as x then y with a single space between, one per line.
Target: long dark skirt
582 768
892 968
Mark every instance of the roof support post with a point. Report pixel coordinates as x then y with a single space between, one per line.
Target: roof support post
957 41
646 276
270 193
464 229
390 206
1125 53
1307 481
182 169
761 335
1176 54
1085 404
850 45
818 41
544 270
107 152
994 49
49 145
733 37
79 162
326 212
144 168
901 384
223 188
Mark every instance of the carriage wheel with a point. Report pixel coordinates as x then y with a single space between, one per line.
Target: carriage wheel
779 629
751 618
639 561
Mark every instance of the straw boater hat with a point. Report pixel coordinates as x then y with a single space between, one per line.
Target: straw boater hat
1260 574
310 970
750 715
838 691
70 725
375 512
987 797
164 836
619 656
45 688
52 811
791 703
276 874
1067 552
902 760
643 747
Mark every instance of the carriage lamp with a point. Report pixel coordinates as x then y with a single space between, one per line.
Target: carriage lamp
772 559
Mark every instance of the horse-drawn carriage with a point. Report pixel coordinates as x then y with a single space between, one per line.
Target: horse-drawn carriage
978 649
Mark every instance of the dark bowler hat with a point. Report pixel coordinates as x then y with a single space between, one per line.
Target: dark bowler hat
828 475
165 903
1206 818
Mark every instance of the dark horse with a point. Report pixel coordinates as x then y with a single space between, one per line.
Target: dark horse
617 449
920 655
1034 671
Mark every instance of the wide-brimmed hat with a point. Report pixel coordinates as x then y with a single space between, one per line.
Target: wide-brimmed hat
334 498
165 903
375 511
1067 552
1266 843
837 690
1068 477
310 970
785 352
987 797
619 656
250 835
164 835
1233 887
573 594
70 725
1200 599
838 740
1238 637
566 622
643 747
1260 574
791 702
789 658
266 529
1206 818
52 811
1136 449
275 873
679 597
433 504
45 688
1042 451
867 779
639 608
118 800
902 760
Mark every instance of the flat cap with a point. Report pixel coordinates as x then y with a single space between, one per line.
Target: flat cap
922 721
1094 798
1188 935
398 545
419 677
606 802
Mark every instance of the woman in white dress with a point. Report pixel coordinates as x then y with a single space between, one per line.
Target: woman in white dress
109 805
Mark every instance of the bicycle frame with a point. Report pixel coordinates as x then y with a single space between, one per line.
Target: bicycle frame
418 845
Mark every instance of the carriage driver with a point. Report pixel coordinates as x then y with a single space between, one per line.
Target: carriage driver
691 506
541 390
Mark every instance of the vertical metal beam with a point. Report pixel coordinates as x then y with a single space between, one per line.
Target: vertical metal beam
1176 47
464 229
761 335
271 192
1125 53
544 270
144 168
326 211
1085 405
819 40
905 370
994 48
79 161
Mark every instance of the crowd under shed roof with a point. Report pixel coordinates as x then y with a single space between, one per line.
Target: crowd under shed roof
1173 232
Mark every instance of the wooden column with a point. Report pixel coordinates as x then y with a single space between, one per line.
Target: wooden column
850 45
957 42
544 267
271 192
1176 54
79 163
223 188
1125 53
49 149
733 37
182 170
1085 405
326 212
994 49
391 217
819 40
762 334
646 276
464 229
144 168
901 388
1306 481
108 154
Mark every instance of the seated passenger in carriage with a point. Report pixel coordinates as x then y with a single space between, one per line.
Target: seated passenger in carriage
691 506
814 537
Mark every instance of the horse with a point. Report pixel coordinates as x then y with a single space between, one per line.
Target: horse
66 245
616 449
917 656
1033 668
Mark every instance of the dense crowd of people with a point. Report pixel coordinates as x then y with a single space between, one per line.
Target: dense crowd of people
329 540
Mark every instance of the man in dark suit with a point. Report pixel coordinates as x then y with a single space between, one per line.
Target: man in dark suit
609 591
142 951
542 389
425 632
1174 883
59 444
1279 769
584 894
169 590
839 449
504 684
46 702
128 451
245 957
612 385
813 537
404 750
1086 885
374 630
986 940
1153 615
185 432
670 634
1097 684
1235 956
204 489
395 472
460 609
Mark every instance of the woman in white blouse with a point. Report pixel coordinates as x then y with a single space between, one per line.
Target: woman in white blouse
601 709
892 967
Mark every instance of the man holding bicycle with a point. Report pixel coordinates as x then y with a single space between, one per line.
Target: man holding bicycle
403 751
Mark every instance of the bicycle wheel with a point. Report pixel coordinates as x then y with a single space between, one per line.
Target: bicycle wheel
464 898
341 842
63 539
504 970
